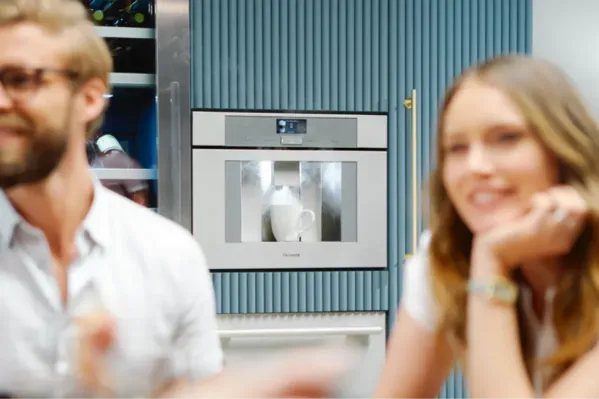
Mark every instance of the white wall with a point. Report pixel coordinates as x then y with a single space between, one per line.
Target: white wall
566 32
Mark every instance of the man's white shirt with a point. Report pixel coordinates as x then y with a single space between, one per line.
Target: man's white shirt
146 270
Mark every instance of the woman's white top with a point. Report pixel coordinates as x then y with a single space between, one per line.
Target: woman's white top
419 301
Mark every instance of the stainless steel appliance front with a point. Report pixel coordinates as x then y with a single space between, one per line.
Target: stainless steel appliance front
290 191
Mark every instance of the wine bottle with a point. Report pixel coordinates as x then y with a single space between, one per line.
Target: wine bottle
130 17
96 9
107 12
139 14
151 13
122 51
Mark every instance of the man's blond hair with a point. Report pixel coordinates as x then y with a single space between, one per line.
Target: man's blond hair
86 54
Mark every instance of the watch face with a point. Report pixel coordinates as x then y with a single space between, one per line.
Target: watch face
504 293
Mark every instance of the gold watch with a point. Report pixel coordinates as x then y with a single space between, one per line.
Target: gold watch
499 289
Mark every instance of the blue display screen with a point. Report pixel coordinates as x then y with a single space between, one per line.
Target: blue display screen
291 126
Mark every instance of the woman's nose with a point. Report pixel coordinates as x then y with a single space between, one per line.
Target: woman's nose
480 160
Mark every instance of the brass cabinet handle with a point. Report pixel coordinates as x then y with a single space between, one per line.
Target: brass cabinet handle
411 104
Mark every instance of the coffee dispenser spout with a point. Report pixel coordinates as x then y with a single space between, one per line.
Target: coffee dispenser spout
286 173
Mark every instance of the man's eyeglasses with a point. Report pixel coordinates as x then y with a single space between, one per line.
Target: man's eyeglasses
20 84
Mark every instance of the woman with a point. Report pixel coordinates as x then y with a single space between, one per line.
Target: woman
507 280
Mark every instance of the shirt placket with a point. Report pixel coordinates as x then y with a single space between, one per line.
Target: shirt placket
34 248
63 367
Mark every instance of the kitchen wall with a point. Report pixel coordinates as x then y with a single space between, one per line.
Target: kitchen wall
566 33
345 55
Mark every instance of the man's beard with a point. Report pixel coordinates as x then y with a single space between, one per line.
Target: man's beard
41 159
46 150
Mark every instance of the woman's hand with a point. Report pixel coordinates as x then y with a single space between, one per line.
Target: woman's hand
549 228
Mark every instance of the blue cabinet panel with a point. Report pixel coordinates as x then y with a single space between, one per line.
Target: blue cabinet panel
431 42
345 55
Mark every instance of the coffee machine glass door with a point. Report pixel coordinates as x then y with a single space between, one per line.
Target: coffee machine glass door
291 201
262 209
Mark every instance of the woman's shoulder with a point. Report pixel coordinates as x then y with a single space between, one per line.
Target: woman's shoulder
417 294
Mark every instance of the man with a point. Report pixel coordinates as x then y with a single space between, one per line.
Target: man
67 244
70 247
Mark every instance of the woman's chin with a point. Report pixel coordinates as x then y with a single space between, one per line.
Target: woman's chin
484 225
482 228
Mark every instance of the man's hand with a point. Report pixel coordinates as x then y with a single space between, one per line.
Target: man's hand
96 336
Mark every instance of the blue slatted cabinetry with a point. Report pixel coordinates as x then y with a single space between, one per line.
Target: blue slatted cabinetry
345 55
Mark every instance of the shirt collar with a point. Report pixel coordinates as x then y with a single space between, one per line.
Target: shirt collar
95 224
10 219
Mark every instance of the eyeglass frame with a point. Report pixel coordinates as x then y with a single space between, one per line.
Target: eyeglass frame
37 76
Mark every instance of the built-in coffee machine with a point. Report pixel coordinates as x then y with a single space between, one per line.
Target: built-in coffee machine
290 191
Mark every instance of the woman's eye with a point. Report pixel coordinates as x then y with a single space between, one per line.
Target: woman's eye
456 148
508 137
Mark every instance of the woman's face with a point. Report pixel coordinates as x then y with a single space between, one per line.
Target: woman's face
493 163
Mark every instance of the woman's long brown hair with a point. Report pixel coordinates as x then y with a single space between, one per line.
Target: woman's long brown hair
556 113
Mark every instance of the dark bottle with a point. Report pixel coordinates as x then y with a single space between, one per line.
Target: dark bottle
140 15
152 12
96 10
107 12
133 55
122 54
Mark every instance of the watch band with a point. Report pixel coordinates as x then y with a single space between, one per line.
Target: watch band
499 289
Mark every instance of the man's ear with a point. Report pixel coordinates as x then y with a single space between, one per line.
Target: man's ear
92 102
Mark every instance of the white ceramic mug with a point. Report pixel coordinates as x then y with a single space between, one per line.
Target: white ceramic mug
287 221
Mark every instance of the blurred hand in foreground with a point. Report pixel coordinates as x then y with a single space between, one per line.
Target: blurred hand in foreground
96 336
308 373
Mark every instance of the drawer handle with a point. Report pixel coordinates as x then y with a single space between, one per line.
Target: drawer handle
304 332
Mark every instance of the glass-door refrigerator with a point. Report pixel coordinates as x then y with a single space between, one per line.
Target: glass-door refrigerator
124 152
